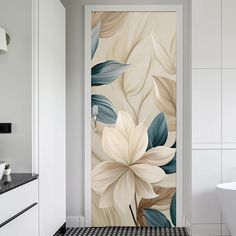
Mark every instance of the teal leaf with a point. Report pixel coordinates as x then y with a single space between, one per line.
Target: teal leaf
95 39
155 218
157 132
170 167
173 210
106 72
106 111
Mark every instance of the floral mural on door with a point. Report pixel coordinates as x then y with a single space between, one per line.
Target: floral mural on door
133 118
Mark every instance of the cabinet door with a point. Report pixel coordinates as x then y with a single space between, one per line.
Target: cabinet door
52 166
228 34
25 224
206 29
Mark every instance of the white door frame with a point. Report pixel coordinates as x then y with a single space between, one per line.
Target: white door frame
178 8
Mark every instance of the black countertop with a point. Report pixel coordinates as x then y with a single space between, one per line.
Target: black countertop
15 180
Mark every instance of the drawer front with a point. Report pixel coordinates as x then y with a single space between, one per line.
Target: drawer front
25 224
16 200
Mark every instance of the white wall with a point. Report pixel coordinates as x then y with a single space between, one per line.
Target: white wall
15 84
214 112
75 103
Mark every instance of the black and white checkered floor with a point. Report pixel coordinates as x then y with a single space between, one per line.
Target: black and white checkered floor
125 231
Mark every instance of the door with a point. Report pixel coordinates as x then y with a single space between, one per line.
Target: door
133 84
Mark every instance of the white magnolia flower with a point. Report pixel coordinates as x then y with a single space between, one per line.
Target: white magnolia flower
131 169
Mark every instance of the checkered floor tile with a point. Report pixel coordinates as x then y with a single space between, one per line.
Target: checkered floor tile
125 231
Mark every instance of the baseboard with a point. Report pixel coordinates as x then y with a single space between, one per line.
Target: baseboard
75 221
210 230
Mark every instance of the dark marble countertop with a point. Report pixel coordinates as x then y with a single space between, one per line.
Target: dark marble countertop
15 180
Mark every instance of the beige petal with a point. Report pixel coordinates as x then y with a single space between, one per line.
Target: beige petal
125 124
163 57
165 96
96 16
138 142
111 22
124 190
165 196
103 216
115 145
142 24
105 174
171 122
106 199
173 50
159 156
135 78
148 173
144 189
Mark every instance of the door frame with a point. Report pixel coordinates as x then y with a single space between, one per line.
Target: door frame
178 8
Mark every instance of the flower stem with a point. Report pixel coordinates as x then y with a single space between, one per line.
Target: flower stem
135 199
136 205
131 211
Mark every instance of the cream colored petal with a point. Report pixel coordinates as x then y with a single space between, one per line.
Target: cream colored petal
115 145
159 156
163 57
142 25
96 17
124 190
173 50
125 124
144 189
168 182
148 173
136 76
165 96
106 199
111 22
105 174
103 216
138 142
171 123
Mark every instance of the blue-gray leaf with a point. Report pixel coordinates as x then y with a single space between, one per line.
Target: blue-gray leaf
106 111
173 210
106 72
155 218
170 167
157 132
95 38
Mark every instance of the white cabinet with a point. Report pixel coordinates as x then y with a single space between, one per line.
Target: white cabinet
228 34
18 199
19 210
49 96
38 54
206 103
25 224
206 33
228 106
